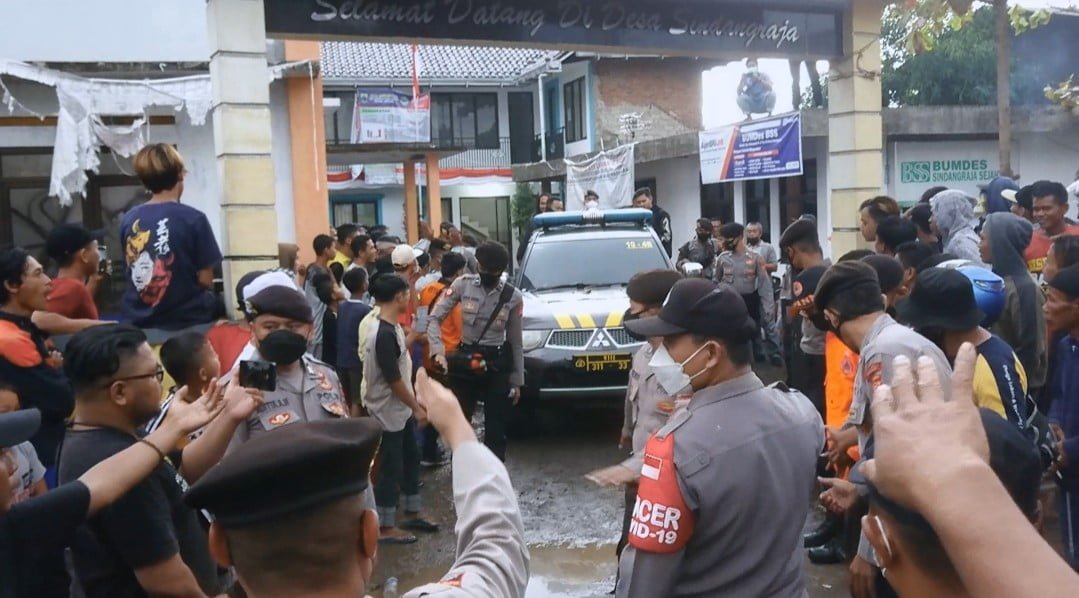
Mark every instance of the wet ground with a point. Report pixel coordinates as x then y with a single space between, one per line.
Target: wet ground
571 525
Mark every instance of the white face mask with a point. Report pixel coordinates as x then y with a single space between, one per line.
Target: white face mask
669 372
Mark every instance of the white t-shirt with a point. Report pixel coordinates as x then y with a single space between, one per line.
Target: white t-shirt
26 469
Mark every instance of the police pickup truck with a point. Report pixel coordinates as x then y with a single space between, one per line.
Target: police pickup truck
573 278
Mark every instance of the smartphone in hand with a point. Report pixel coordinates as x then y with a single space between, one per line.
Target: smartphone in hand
260 375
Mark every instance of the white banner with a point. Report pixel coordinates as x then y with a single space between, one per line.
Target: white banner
610 175
388 116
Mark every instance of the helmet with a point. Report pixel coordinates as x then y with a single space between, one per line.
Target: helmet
989 292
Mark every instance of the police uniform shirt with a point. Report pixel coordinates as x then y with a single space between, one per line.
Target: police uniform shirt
702 253
746 274
477 303
766 251
722 498
313 394
647 407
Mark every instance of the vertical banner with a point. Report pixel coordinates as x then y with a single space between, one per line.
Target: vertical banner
610 175
387 116
760 149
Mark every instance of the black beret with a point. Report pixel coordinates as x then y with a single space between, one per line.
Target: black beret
652 287
731 230
280 301
1067 281
889 271
843 277
295 468
799 230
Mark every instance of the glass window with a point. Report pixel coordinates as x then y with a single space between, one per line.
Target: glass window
611 260
717 201
468 120
575 111
758 207
28 165
798 195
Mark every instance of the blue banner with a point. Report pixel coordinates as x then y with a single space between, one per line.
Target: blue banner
759 149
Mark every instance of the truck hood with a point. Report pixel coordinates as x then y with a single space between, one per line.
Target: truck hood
568 309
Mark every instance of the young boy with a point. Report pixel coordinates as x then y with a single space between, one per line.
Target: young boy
20 463
191 361
1062 313
351 313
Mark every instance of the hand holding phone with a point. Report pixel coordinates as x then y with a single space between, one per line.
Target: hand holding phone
260 375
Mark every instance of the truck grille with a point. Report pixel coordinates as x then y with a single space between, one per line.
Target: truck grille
621 337
570 339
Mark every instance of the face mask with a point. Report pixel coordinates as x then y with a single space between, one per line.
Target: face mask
669 372
629 316
704 236
753 241
489 280
753 70
821 322
283 347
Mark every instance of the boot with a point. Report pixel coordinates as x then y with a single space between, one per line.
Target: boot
828 554
823 534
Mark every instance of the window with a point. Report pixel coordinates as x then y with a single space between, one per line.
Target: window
357 209
798 195
468 120
573 96
612 260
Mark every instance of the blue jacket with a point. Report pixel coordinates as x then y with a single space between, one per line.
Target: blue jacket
349 314
1065 409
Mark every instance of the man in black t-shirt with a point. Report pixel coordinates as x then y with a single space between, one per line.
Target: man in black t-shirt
661 220
148 542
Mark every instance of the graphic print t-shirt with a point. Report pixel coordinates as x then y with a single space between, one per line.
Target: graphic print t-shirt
165 246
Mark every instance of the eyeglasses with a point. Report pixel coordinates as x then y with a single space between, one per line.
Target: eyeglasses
158 373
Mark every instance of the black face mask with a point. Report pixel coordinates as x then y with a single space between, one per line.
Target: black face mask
283 347
821 322
702 237
489 280
629 316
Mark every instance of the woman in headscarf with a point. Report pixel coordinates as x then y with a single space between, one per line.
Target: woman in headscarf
953 221
1004 238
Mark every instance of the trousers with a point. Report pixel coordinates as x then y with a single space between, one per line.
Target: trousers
493 390
399 473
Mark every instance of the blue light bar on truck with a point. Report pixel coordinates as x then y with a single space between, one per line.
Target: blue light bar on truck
626 216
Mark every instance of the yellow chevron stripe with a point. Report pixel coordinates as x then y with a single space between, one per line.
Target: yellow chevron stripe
565 322
614 320
586 320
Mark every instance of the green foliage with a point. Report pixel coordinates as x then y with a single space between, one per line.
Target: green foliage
956 66
524 206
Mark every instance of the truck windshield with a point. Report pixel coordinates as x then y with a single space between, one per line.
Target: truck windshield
589 262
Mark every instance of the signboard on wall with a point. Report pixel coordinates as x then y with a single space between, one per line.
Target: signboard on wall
759 149
963 165
388 116
808 29
610 175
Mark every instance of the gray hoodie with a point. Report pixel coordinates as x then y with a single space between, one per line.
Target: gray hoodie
953 212
1022 325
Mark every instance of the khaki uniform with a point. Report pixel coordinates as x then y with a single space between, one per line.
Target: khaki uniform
746 274
722 499
501 346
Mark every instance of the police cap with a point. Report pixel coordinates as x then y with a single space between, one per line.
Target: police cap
841 278
296 468
799 230
699 306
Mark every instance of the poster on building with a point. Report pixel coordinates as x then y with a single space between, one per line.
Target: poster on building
759 149
962 165
609 174
389 116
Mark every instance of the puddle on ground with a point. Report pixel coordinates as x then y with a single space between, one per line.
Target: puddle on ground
556 572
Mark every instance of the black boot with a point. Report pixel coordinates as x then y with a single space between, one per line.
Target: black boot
828 554
823 534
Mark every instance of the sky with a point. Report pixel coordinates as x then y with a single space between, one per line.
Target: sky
720 83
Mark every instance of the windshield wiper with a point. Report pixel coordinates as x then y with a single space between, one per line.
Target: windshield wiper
580 286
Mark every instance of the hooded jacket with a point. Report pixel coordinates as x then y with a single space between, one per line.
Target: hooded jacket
1022 324
953 212
994 201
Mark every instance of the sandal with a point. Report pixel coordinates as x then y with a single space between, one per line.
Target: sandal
398 538
419 524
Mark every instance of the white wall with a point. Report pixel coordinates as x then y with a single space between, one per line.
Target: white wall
281 153
678 189
105 31
201 187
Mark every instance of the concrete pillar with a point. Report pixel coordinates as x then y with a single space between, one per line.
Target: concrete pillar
241 123
434 191
412 204
307 130
855 129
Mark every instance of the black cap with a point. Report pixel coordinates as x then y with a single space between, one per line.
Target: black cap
799 230
1012 457
803 288
241 284
295 468
66 240
889 271
652 287
17 427
281 301
699 306
942 298
841 278
732 230
1067 281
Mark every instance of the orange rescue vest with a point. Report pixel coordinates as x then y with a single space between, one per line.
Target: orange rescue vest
661 523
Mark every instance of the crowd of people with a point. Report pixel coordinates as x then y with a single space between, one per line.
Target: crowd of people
291 444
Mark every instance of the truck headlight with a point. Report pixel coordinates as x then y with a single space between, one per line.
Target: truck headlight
534 339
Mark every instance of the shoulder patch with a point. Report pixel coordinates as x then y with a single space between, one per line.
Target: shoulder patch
874 372
661 523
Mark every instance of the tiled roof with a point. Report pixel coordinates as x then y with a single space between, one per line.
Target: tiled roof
377 62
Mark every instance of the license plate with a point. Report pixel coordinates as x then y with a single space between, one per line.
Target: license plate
603 362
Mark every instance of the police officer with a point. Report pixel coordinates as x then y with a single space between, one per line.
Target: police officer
307 389
849 297
700 249
290 519
488 366
721 507
746 272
